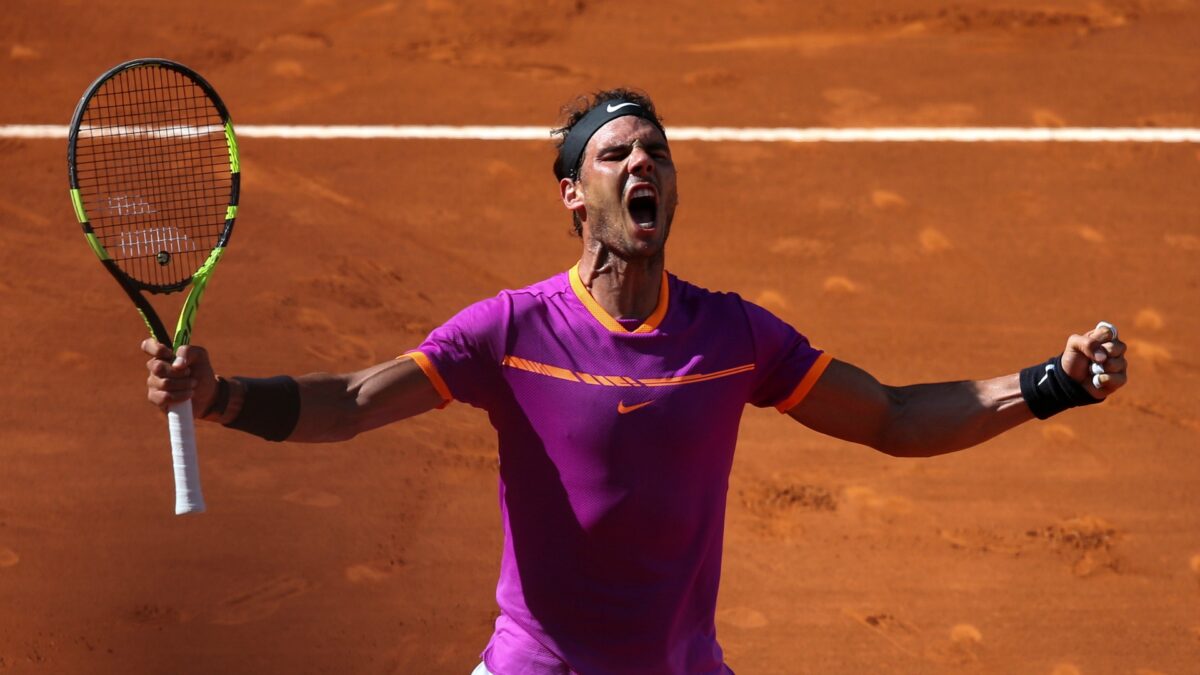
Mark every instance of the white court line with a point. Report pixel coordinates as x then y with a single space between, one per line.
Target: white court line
174 131
748 134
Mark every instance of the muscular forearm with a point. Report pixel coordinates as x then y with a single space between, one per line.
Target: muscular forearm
337 407
933 419
919 420
328 407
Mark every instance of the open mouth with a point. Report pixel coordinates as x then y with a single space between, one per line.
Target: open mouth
643 206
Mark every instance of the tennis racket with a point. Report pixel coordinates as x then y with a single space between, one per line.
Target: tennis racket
154 174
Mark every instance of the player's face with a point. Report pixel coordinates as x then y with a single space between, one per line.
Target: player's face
627 181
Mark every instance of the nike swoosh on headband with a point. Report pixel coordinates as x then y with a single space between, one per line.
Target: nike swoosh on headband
571 150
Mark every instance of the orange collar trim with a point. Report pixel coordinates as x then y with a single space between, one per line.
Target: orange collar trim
605 319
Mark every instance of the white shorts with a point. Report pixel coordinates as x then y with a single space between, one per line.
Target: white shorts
481 669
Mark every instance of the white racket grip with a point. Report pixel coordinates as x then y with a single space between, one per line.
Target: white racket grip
188 498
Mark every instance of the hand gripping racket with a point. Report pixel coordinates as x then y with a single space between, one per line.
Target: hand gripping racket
1098 369
153 166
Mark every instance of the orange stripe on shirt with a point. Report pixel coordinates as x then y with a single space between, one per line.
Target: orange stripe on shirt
806 384
540 368
560 373
618 380
699 377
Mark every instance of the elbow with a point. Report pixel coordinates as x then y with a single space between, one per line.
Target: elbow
931 420
349 421
902 448
328 414
359 411
328 431
891 443
915 441
901 434
892 436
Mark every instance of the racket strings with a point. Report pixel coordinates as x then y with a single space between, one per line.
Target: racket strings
162 154
153 172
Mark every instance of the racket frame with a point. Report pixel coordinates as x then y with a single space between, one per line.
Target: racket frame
199 279
188 496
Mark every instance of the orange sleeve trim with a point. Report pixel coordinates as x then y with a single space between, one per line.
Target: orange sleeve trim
806 384
431 372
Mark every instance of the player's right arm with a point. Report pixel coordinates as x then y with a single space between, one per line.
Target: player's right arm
333 407
338 407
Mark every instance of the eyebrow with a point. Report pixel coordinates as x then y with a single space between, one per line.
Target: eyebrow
648 145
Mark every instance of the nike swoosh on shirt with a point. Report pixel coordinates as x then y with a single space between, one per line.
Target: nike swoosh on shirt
615 108
622 408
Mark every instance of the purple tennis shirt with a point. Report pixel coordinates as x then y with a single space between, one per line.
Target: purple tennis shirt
615 447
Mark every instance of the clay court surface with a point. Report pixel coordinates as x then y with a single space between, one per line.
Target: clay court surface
1066 547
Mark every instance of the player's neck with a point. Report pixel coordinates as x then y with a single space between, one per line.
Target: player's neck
626 289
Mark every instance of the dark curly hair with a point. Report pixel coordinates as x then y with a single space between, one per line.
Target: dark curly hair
572 112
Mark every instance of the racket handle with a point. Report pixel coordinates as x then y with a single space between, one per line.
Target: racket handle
188 498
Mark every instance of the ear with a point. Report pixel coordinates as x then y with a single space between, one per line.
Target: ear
571 192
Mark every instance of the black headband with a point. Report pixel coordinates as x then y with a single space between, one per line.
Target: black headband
577 139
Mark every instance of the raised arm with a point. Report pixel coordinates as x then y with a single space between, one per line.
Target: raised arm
931 419
331 407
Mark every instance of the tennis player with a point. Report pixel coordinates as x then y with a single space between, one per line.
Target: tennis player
616 391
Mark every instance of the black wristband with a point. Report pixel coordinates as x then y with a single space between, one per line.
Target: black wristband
220 400
270 407
1048 390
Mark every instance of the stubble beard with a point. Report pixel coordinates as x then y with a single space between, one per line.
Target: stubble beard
614 238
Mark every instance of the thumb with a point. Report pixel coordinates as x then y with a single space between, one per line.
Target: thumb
190 355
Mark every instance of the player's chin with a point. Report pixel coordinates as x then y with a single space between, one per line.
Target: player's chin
647 238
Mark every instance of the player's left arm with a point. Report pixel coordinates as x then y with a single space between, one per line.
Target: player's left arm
923 420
